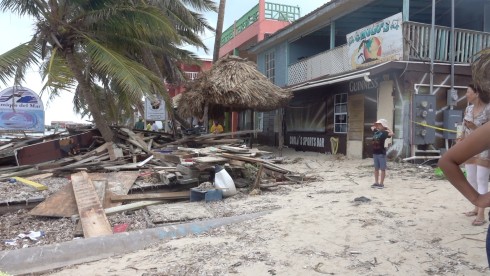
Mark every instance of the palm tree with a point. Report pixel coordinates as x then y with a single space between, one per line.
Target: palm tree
219 30
89 44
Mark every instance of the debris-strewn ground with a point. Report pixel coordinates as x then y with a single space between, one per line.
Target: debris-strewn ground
414 226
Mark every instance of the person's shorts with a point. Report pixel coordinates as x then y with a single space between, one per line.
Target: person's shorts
379 161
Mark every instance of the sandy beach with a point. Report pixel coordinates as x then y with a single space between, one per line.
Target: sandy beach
415 226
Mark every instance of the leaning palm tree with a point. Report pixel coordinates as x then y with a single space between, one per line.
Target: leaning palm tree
162 58
84 43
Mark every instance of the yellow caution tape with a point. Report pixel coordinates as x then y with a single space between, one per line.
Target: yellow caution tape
434 127
36 185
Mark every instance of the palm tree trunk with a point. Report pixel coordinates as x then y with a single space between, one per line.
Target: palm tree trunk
219 29
92 104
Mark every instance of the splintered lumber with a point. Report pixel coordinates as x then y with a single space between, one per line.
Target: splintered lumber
235 149
208 136
92 215
210 159
258 177
127 207
152 196
38 186
265 163
136 140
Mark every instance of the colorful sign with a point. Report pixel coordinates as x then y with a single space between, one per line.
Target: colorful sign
21 109
155 110
376 43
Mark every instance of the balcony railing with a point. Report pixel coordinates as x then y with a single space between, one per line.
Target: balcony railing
191 75
272 11
416 38
467 43
331 62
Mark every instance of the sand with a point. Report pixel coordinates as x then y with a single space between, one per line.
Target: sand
415 226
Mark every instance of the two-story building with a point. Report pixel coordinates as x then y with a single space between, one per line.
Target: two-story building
258 23
351 62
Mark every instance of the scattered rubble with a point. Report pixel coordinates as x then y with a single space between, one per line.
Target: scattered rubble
60 181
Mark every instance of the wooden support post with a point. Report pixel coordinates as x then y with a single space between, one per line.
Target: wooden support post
257 178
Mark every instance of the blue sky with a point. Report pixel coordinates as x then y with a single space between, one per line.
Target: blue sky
16 30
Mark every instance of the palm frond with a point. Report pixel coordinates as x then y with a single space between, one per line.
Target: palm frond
15 62
129 75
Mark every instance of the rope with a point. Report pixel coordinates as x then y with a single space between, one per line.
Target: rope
434 127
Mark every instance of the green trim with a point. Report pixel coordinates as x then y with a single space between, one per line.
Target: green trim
272 11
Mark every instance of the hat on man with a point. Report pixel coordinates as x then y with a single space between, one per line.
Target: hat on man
382 122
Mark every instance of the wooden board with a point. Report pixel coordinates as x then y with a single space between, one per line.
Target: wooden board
60 204
210 159
92 215
152 196
63 204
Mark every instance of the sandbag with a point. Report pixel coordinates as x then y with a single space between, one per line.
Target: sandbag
224 182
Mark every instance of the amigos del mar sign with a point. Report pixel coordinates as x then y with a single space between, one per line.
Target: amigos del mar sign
376 43
21 109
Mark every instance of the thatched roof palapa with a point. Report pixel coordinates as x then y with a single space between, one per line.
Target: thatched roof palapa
233 83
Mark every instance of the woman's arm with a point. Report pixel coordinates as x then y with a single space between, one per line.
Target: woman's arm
449 163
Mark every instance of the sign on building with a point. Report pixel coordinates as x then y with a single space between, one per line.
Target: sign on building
155 110
21 109
376 43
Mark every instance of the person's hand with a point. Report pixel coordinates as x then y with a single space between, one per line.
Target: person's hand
483 200
470 125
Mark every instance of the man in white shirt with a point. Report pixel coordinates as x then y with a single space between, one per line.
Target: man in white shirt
154 126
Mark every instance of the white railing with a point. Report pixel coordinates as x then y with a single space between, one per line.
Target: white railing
191 75
467 43
326 63
416 38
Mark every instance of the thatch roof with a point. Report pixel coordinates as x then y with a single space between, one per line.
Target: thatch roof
233 83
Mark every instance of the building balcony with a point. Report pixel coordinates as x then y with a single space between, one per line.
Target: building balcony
273 11
416 37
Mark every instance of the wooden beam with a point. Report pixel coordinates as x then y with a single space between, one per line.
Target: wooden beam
152 196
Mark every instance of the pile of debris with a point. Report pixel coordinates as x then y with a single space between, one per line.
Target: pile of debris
145 169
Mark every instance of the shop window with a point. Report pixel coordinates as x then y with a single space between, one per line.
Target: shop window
340 113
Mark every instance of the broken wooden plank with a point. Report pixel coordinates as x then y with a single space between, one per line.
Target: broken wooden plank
235 149
210 159
152 196
130 166
127 207
266 164
40 176
38 186
14 205
94 220
257 178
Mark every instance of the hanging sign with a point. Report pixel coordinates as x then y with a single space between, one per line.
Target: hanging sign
376 43
21 109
